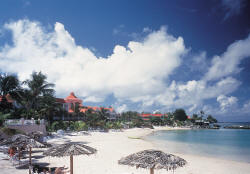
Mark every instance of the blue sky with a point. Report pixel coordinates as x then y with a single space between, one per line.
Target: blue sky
144 55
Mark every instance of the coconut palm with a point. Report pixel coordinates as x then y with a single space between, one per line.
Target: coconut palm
34 98
9 84
37 87
49 107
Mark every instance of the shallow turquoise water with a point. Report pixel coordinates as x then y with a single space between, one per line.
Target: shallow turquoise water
223 143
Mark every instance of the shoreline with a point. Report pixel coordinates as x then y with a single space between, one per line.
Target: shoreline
218 165
114 145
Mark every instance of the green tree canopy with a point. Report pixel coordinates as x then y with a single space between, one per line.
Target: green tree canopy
211 119
37 87
180 114
9 85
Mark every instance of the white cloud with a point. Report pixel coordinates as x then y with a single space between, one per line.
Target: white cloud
226 102
138 75
94 99
247 105
228 63
146 30
192 94
122 108
130 73
199 62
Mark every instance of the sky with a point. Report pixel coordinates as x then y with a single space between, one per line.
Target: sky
143 55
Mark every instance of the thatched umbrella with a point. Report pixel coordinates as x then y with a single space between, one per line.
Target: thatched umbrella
37 135
70 149
153 159
20 140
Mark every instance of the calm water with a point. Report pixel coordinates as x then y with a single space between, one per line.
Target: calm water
223 143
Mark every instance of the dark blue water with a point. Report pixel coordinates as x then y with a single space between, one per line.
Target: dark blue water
223 143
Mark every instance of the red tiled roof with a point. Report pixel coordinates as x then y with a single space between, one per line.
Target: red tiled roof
157 115
95 108
60 100
83 110
152 115
109 109
145 115
72 98
8 97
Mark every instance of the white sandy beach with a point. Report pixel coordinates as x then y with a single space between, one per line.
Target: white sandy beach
114 145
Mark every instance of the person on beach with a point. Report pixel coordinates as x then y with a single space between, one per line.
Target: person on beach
11 152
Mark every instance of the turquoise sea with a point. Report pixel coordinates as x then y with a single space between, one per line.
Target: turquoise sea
230 144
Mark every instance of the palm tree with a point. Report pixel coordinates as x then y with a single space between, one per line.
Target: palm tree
48 107
9 84
37 98
103 113
37 87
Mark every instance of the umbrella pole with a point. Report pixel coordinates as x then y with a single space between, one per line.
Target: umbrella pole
30 160
19 155
30 157
152 170
71 164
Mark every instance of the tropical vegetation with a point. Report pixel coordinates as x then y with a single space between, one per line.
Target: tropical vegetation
34 98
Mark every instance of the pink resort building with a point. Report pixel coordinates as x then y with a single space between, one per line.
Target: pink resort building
71 102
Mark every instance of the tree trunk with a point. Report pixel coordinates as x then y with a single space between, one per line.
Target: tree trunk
151 170
71 164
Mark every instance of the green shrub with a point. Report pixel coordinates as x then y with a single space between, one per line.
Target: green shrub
56 125
10 132
117 125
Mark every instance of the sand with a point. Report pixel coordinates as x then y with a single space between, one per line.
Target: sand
114 145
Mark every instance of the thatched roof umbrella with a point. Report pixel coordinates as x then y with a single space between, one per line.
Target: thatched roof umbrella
153 159
37 135
20 140
70 149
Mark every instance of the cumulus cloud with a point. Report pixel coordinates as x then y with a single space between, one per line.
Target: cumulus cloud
137 75
192 94
228 63
226 102
199 62
129 73
121 108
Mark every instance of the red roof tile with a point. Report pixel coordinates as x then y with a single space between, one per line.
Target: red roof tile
72 99
8 97
60 100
